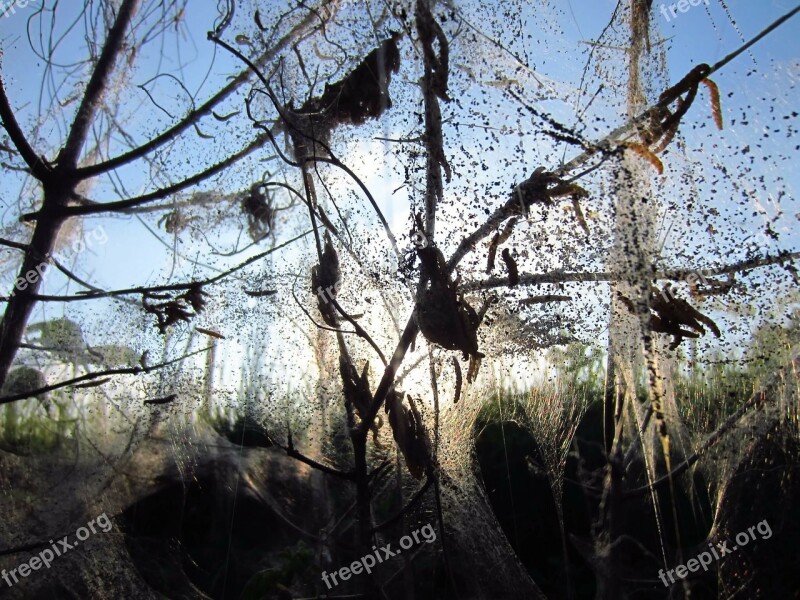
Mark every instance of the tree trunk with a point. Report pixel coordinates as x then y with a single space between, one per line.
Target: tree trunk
59 185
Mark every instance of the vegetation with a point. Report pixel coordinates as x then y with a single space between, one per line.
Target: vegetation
322 268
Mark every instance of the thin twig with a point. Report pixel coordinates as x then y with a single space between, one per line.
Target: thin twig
95 375
169 287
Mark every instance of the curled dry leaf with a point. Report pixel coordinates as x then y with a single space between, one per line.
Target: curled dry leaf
716 109
356 391
511 265
408 432
257 207
444 318
175 309
647 154
499 238
541 187
326 277
459 381
674 316
364 92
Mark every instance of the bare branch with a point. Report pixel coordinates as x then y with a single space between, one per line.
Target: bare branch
205 109
169 287
292 452
96 375
70 153
38 166
120 205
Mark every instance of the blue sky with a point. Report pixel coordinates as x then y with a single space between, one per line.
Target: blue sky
701 34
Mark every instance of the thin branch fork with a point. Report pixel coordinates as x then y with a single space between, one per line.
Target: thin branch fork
205 109
293 453
169 287
97 375
39 167
559 276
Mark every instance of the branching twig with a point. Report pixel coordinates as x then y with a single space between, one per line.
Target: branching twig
292 452
174 287
96 375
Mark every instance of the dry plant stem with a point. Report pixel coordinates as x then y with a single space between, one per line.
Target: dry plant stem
58 183
434 471
639 443
756 401
293 453
432 139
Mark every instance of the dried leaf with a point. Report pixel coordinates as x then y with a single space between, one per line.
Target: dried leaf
716 109
325 281
208 332
164 400
409 433
645 153
511 265
442 316
457 368
579 215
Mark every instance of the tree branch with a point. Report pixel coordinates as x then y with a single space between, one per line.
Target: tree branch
290 451
671 274
194 116
174 287
39 168
96 375
119 205
70 153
